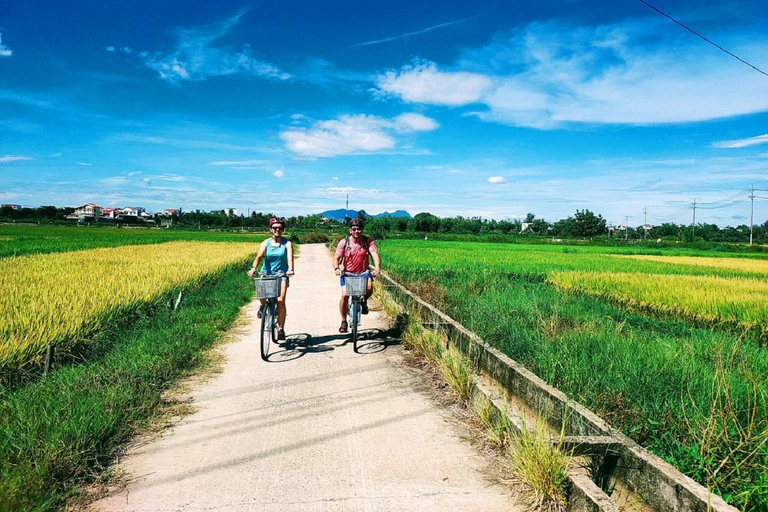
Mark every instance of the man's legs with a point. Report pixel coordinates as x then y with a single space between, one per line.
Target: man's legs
343 309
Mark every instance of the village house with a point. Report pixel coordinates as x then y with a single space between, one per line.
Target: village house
88 211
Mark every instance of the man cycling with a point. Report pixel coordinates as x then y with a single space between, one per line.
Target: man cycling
352 257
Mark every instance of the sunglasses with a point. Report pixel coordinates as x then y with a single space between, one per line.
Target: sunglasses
278 228
355 229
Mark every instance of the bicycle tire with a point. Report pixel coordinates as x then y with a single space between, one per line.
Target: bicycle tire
267 325
274 328
354 319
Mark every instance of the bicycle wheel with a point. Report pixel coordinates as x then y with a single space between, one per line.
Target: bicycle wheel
267 329
274 329
354 319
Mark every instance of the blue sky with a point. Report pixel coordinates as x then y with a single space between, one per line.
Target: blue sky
493 109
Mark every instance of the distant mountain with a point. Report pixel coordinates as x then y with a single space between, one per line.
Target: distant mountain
341 213
398 213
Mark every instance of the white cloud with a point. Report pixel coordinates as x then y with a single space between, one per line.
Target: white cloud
343 191
742 143
279 173
411 122
167 177
239 162
352 134
550 75
497 180
195 57
422 82
13 158
4 50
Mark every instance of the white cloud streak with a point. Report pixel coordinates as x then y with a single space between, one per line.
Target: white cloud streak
239 162
497 180
415 33
13 158
742 143
351 134
197 59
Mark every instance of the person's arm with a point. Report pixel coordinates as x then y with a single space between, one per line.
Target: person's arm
289 248
259 256
376 260
337 266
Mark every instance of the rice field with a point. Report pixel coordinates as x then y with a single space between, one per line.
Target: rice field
669 349
735 301
18 240
62 298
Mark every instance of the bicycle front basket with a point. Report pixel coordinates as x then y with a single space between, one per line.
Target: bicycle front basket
356 285
268 287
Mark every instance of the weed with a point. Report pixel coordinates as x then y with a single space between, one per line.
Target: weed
542 465
498 426
457 371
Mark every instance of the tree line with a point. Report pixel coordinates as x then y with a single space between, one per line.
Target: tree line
583 224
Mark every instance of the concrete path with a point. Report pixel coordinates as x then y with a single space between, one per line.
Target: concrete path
318 428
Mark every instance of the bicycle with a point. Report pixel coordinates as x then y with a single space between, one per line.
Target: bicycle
356 286
268 288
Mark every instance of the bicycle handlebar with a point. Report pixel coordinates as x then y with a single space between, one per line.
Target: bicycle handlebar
262 275
358 274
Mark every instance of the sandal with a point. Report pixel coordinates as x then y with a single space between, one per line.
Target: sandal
281 335
344 327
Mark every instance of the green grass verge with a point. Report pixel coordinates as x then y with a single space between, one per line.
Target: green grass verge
61 431
696 397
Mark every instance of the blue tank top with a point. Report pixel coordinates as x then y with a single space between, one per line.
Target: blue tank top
275 258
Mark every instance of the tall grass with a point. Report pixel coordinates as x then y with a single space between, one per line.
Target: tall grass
739 301
542 465
58 432
655 379
18 240
65 298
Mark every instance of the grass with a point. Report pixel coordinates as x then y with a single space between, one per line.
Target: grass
657 378
542 465
20 240
58 432
64 299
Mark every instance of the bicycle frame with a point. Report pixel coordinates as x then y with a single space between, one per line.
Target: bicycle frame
269 316
355 307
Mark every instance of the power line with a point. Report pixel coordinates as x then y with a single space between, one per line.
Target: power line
704 38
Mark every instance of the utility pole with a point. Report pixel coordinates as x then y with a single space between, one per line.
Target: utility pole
626 227
751 213
693 224
346 210
645 222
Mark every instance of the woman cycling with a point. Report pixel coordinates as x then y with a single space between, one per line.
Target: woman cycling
277 253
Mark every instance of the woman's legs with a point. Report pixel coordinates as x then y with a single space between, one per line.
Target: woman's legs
281 311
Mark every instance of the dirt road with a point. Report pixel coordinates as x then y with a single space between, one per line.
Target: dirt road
318 428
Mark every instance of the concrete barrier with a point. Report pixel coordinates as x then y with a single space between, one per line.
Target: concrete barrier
655 484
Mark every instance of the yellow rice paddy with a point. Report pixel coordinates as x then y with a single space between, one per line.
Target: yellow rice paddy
58 298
